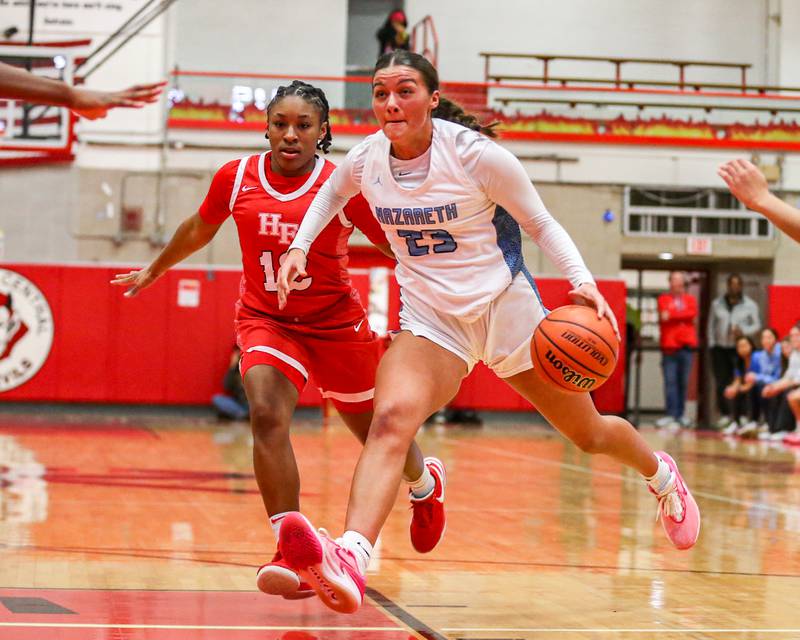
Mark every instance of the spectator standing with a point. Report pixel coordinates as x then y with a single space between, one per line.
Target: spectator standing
732 315
677 311
393 34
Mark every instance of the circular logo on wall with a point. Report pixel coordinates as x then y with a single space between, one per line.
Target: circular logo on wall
26 329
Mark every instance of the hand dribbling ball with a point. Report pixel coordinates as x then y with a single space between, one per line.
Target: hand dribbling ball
574 349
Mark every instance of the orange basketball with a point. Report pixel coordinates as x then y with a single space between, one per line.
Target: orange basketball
574 349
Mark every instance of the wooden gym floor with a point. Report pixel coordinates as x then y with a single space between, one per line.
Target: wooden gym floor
152 528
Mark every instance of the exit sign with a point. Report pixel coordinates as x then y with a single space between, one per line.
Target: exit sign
698 246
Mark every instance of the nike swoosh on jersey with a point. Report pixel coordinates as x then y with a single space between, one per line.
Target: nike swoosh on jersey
358 326
244 189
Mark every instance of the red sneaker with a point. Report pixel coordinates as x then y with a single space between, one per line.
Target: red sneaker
278 579
328 567
428 520
677 509
793 439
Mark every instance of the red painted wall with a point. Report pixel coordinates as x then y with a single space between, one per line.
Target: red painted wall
149 350
784 309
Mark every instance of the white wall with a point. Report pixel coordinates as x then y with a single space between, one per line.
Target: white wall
723 30
264 36
789 44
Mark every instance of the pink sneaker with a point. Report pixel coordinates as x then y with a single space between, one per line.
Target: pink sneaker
329 568
428 520
278 579
678 510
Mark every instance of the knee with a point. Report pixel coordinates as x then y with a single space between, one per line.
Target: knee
591 440
268 420
392 424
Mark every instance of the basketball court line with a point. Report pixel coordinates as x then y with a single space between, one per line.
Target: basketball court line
393 609
189 627
785 510
404 622
677 630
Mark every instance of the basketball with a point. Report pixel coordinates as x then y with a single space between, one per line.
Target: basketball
574 349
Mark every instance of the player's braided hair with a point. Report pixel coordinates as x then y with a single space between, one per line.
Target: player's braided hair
313 95
447 109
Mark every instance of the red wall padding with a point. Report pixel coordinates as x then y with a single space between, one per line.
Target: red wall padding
108 348
784 309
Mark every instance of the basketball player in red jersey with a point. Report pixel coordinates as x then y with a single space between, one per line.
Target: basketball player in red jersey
324 329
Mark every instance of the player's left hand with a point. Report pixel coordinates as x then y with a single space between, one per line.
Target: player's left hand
588 294
96 104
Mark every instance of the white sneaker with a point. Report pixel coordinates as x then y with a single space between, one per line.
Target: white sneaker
722 422
664 422
731 429
764 435
747 430
686 422
778 436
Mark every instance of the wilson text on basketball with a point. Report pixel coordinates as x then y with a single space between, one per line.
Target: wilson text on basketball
570 376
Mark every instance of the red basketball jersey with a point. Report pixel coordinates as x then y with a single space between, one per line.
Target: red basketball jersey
268 209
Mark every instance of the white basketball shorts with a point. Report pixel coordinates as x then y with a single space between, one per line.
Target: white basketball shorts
500 337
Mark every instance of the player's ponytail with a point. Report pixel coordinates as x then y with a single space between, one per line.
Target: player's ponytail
313 95
453 112
447 109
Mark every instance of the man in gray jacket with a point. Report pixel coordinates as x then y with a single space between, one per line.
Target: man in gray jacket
732 314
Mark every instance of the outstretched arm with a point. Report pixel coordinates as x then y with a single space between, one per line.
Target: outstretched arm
191 236
750 186
18 84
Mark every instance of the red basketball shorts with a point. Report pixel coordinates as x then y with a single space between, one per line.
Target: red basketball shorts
342 360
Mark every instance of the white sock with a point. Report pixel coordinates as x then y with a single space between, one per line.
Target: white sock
662 478
360 546
275 522
424 486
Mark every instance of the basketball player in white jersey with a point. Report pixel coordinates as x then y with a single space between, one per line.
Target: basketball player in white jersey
451 202
323 333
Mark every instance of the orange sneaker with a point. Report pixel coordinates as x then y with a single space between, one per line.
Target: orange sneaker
278 579
677 509
428 520
329 568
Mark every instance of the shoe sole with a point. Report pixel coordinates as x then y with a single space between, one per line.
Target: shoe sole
301 548
689 496
278 581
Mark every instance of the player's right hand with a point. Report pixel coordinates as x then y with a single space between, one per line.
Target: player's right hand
293 266
136 280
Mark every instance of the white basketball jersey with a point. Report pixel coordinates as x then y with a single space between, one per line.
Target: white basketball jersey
455 249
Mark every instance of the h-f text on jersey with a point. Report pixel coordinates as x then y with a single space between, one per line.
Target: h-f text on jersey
270 225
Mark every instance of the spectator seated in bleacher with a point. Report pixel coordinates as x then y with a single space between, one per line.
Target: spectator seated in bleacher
232 404
764 369
784 395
